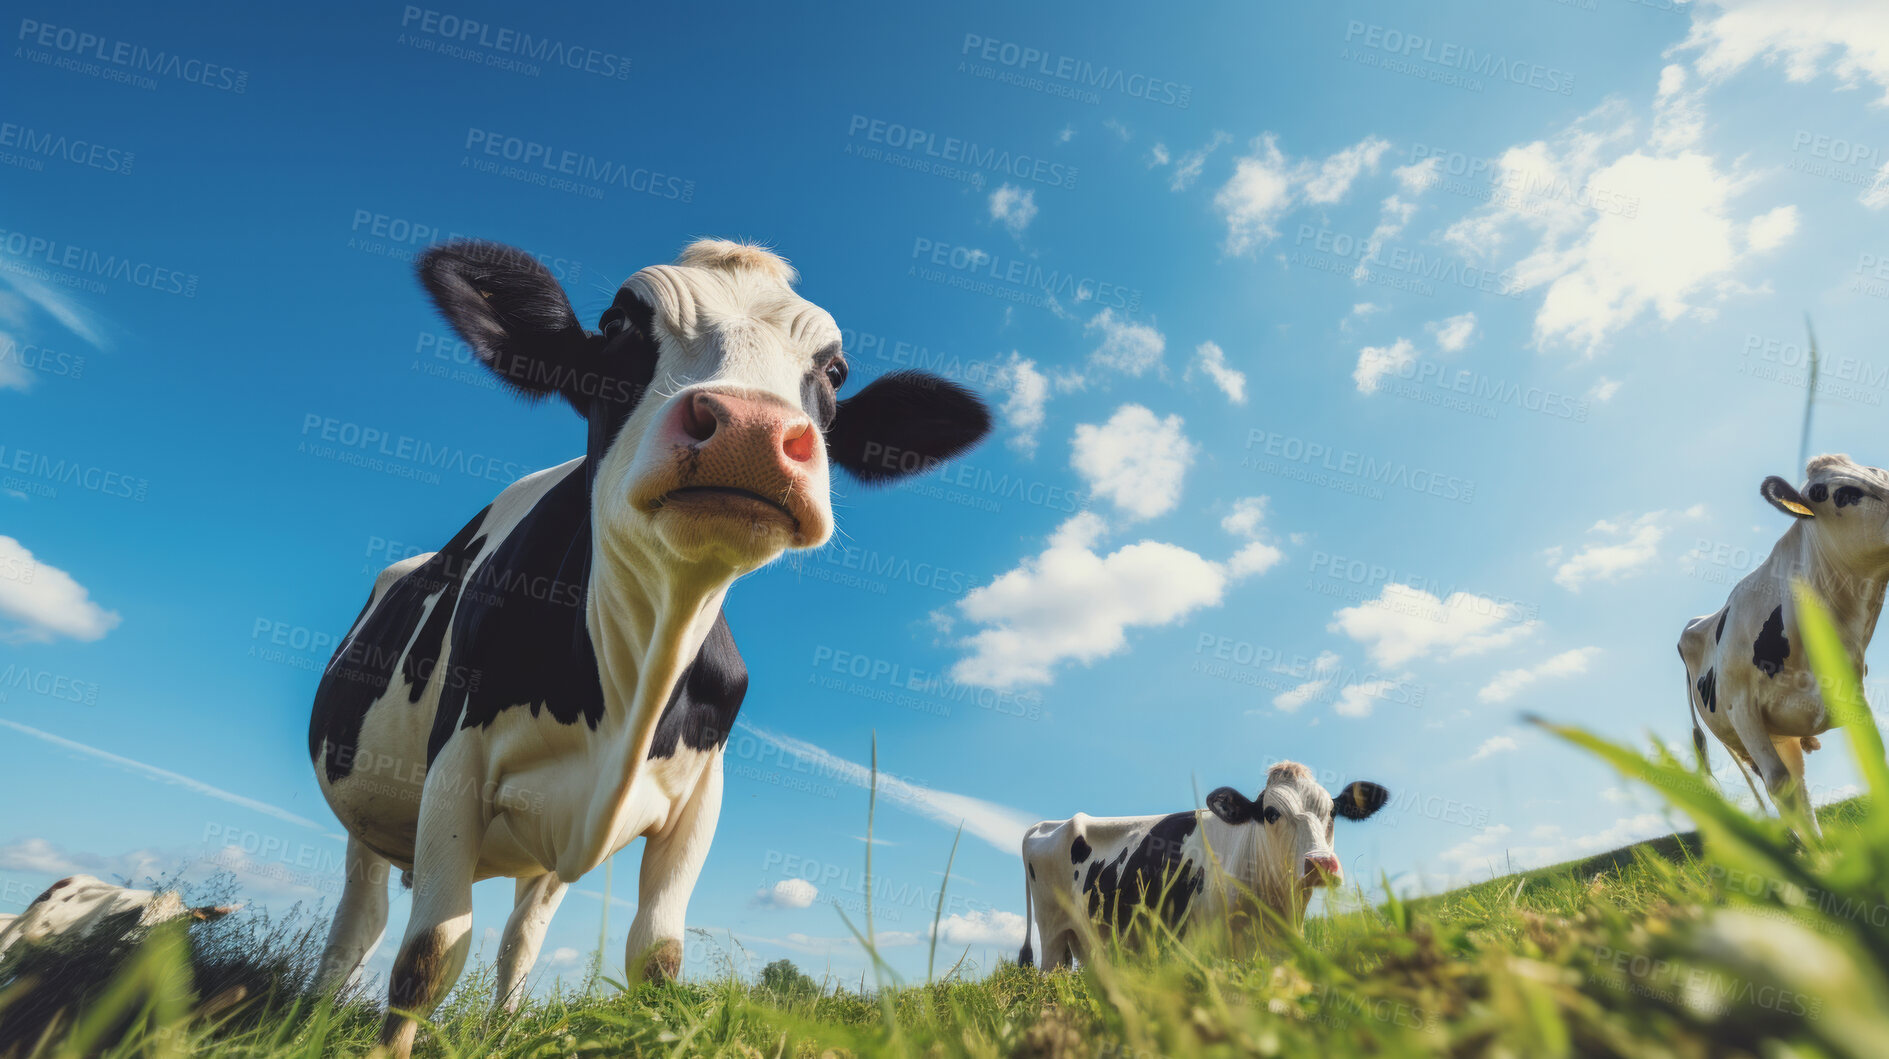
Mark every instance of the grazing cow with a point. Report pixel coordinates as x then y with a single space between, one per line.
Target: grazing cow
559 678
76 906
1273 850
1747 676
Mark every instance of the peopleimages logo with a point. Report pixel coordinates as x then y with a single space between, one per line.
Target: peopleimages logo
1078 73
137 60
1450 55
969 154
504 43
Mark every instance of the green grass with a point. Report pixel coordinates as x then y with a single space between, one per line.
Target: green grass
1731 940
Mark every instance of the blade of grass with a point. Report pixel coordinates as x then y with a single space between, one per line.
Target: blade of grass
931 961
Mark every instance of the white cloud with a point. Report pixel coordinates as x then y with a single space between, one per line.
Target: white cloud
1212 361
1616 549
1357 700
1455 332
1417 177
1014 207
1848 38
162 775
1247 517
1116 127
1393 214
1128 347
987 927
1322 672
39 856
1265 185
565 956
1503 686
788 893
1489 848
1768 231
1495 744
1406 623
1135 460
1025 401
1622 224
1068 133
999 825
1375 362
1072 603
1187 170
1604 389
1876 195
44 601
1158 156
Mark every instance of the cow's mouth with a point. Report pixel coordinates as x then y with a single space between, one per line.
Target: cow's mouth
728 499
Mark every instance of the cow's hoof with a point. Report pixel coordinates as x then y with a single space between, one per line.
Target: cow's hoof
663 962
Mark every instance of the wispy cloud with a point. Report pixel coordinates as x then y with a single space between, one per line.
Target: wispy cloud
999 825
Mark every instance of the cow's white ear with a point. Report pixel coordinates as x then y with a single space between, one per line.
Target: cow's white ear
1230 805
1360 799
1785 498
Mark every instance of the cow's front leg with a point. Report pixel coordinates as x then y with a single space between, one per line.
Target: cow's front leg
672 859
536 902
446 855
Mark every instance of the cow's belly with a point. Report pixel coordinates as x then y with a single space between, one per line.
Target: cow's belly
378 801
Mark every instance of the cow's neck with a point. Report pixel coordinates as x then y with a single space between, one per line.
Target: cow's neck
1852 592
648 617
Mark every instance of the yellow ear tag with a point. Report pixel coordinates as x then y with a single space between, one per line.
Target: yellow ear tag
1797 508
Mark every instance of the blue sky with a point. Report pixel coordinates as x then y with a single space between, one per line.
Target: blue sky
1367 376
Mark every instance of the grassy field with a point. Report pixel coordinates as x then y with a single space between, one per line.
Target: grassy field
1733 940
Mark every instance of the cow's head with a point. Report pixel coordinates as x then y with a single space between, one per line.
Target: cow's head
716 396
1845 503
1294 819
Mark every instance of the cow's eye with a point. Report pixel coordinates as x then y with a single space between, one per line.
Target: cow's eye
1272 815
836 372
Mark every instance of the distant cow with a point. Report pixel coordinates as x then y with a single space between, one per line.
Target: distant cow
1747 675
75 907
559 679
1210 865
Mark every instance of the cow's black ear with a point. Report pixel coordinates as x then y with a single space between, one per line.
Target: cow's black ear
1360 799
1785 498
1230 805
511 311
904 423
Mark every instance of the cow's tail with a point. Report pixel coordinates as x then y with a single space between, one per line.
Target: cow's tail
1026 958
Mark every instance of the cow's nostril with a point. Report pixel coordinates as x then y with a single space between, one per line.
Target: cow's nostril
799 446
699 417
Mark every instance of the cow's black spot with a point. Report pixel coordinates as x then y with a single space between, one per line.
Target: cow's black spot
702 708
363 665
1032 873
520 638
1848 494
1078 850
1771 648
1155 869
1720 634
1708 690
1820 491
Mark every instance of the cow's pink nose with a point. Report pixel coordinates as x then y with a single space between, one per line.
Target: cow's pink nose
1325 863
732 421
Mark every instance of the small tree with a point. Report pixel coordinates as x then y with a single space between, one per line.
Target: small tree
785 980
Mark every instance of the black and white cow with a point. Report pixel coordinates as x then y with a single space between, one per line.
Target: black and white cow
558 679
1747 676
78 905
1209 865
